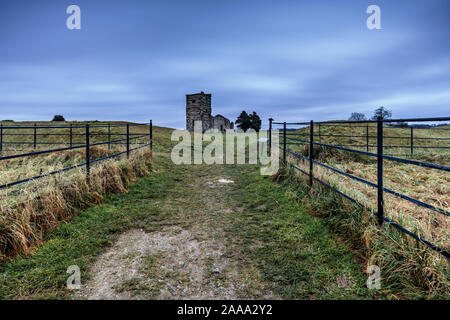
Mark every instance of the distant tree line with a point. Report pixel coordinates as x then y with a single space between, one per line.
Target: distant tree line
382 112
386 114
57 117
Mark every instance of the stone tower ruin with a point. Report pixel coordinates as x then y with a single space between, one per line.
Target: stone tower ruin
198 108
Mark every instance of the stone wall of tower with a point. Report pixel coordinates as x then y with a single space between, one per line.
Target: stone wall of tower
198 108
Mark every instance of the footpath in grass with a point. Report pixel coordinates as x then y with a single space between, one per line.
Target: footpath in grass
191 232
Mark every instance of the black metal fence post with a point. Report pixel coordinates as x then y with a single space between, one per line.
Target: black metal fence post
367 138
109 136
1 137
88 156
284 142
412 140
151 135
35 139
128 140
270 136
311 152
380 212
71 136
320 137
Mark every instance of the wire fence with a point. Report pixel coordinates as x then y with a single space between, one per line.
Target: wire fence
287 139
77 137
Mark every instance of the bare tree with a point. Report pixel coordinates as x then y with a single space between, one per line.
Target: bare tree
383 113
357 116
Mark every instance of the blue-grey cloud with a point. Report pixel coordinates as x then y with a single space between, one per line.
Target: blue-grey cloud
296 60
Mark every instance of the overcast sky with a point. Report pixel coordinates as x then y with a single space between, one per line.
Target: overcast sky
290 60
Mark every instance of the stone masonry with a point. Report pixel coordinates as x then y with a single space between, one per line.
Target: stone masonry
198 108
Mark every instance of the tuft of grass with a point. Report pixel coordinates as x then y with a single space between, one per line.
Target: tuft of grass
409 270
294 252
30 209
42 273
407 260
134 286
41 206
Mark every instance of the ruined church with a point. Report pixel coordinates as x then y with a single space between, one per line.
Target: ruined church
198 108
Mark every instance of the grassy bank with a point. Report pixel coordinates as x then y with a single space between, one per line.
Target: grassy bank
42 273
273 237
414 269
270 246
29 210
409 270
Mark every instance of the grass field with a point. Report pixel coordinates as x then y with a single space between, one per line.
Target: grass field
397 140
280 239
271 245
29 209
428 185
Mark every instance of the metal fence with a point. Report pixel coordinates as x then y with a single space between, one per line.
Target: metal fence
412 140
379 155
130 141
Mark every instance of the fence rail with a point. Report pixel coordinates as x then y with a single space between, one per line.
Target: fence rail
130 139
286 136
414 142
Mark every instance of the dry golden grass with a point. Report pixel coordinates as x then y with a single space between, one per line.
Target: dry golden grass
393 136
428 185
33 208
432 188
30 209
392 251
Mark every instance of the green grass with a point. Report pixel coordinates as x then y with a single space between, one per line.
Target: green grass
43 274
273 241
294 251
30 209
409 269
136 287
280 241
414 270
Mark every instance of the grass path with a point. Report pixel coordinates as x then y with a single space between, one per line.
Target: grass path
181 233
